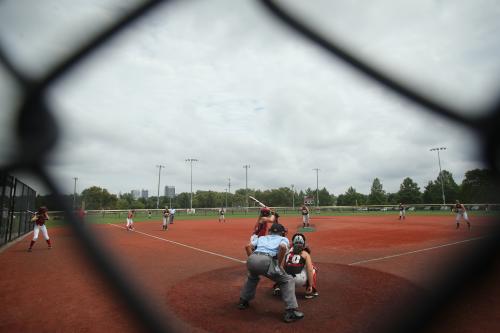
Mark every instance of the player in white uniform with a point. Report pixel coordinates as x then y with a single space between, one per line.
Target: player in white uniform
461 213
171 215
130 220
222 211
166 214
305 216
40 217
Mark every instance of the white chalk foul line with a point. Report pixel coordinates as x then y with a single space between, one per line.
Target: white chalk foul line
416 251
185 245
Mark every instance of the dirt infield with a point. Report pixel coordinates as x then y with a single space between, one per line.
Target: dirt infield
368 268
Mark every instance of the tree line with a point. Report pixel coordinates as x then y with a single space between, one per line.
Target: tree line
478 186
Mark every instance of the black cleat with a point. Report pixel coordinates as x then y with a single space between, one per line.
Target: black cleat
243 304
292 315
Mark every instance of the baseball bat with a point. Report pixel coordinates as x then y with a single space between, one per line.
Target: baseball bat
29 211
257 201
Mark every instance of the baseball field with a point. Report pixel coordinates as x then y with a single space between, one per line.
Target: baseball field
370 267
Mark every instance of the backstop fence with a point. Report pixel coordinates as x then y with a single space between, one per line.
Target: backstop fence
16 199
37 134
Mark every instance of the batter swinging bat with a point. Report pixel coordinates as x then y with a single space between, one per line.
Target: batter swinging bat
257 201
29 211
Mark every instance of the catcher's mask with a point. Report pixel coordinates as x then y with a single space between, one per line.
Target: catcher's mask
299 243
264 211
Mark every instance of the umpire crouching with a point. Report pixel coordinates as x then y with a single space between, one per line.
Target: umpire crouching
267 260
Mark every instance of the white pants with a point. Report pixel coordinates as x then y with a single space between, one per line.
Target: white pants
463 215
402 213
165 220
305 219
37 229
130 223
301 279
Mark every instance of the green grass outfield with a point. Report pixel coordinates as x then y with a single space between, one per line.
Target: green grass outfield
119 219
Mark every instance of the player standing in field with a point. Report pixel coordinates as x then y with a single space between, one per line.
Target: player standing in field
305 216
130 220
166 215
461 212
402 211
40 217
171 212
221 215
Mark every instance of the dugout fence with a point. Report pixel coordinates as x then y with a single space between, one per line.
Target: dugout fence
16 198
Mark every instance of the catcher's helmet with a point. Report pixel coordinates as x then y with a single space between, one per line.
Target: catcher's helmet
264 211
299 243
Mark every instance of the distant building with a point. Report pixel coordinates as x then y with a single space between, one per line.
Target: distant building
136 194
170 191
145 194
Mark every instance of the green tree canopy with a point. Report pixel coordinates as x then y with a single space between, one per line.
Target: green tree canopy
409 192
98 198
377 194
479 186
351 198
433 190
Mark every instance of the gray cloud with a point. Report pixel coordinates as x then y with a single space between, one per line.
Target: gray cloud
221 82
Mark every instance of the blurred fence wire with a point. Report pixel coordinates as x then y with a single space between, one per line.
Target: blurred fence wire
37 133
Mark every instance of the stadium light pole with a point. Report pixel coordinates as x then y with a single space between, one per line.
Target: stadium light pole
246 166
74 193
159 166
317 187
440 173
191 160
293 197
229 184
226 197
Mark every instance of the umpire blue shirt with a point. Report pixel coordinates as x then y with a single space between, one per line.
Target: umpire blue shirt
269 244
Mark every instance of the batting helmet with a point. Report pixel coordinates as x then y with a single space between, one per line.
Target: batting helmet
264 211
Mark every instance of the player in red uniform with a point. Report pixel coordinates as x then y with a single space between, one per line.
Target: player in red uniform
265 217
40 217
260 228
298 263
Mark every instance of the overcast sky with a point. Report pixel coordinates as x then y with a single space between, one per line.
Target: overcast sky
224 83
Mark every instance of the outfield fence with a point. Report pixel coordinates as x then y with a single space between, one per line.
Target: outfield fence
144 214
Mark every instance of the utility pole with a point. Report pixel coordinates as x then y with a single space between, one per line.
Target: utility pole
159 166
226 198
74 193
317 187
246 166
191 160
440 173
293 197
229 184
